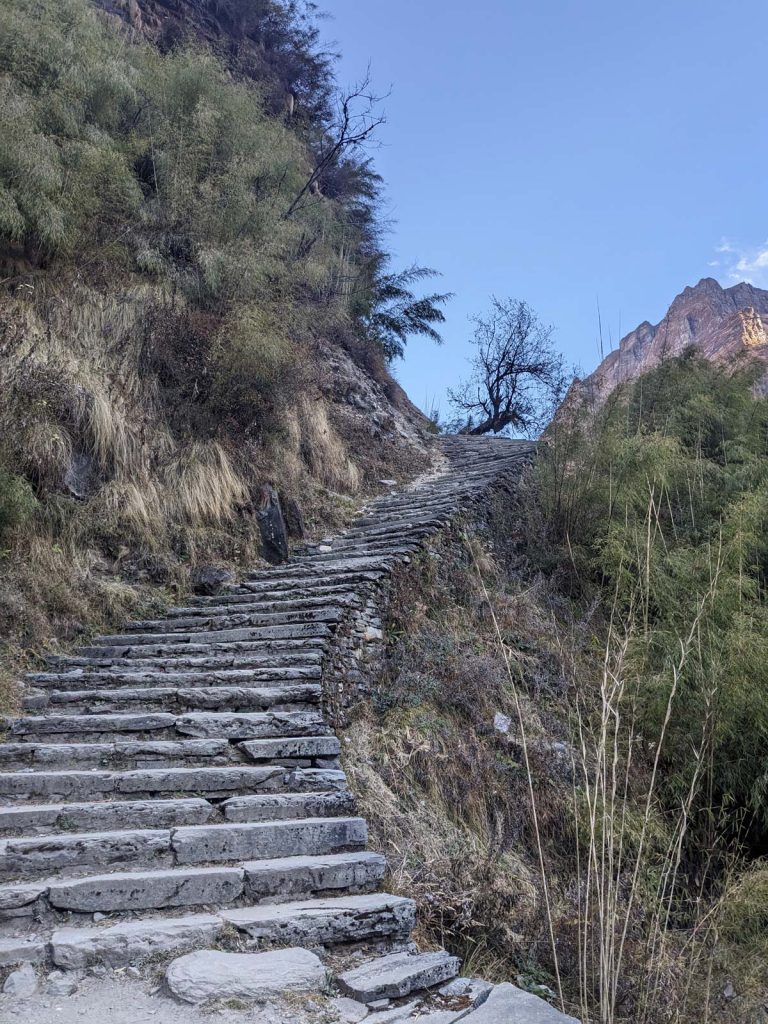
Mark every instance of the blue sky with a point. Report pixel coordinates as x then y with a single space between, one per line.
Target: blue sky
566 153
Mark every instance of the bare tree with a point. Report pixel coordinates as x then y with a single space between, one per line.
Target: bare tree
517 376
355 121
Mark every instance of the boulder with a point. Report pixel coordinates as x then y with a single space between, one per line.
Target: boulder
209 974
22 983
294 518
274 536
208 580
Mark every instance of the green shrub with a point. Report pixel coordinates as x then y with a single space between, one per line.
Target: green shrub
659 510
17 503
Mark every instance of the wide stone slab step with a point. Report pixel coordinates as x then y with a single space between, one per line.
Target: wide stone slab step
291 747
291 630
287 697
281 806
300 876
209 649
136 674
203 725
132 941
397 975
123 753
229 618
36 856
326 921
219 781
21 951
224 604
36 818
148 890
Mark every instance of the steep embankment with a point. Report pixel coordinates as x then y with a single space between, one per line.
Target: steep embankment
728 326
197 313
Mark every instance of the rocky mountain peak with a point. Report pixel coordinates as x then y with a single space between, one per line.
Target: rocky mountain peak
726 325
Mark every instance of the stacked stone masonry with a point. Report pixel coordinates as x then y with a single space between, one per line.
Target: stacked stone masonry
180 780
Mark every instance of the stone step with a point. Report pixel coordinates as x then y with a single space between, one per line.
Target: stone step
291 747
122 754
36 818
310 566
133 941
212 782
328 921
235 619
223 604
281 806
292 630
201 724
176 699
182 651
19 951
294 585
148 890
136 675
396 975
71 855
258 660
301 876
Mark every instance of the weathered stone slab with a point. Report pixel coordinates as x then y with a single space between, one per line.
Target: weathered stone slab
397 975
19 951
252 726
145 890
211 843
297 876
209 974
49 724
27 857
132 941
328 920
508 1003
145 813
292 746
278 806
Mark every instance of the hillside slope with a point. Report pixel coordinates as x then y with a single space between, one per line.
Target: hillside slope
187 330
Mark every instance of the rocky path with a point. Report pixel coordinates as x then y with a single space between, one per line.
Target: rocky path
178 784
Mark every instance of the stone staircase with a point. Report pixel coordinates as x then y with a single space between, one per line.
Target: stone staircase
178 783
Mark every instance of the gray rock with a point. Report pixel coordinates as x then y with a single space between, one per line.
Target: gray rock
274 535
473 988
210 579
210 974
377 1004
60 984
397 975
349 1011
21 983
508 1003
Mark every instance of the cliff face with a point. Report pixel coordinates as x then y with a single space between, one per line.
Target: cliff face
725 325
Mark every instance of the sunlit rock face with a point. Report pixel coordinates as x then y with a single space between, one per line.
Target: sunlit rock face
726 325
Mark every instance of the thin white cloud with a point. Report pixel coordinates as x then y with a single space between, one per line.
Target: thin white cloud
748 264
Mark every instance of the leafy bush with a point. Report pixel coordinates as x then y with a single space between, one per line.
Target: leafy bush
17 503
659 510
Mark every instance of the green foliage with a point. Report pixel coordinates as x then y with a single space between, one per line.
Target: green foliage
660 510
17 503
167 165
